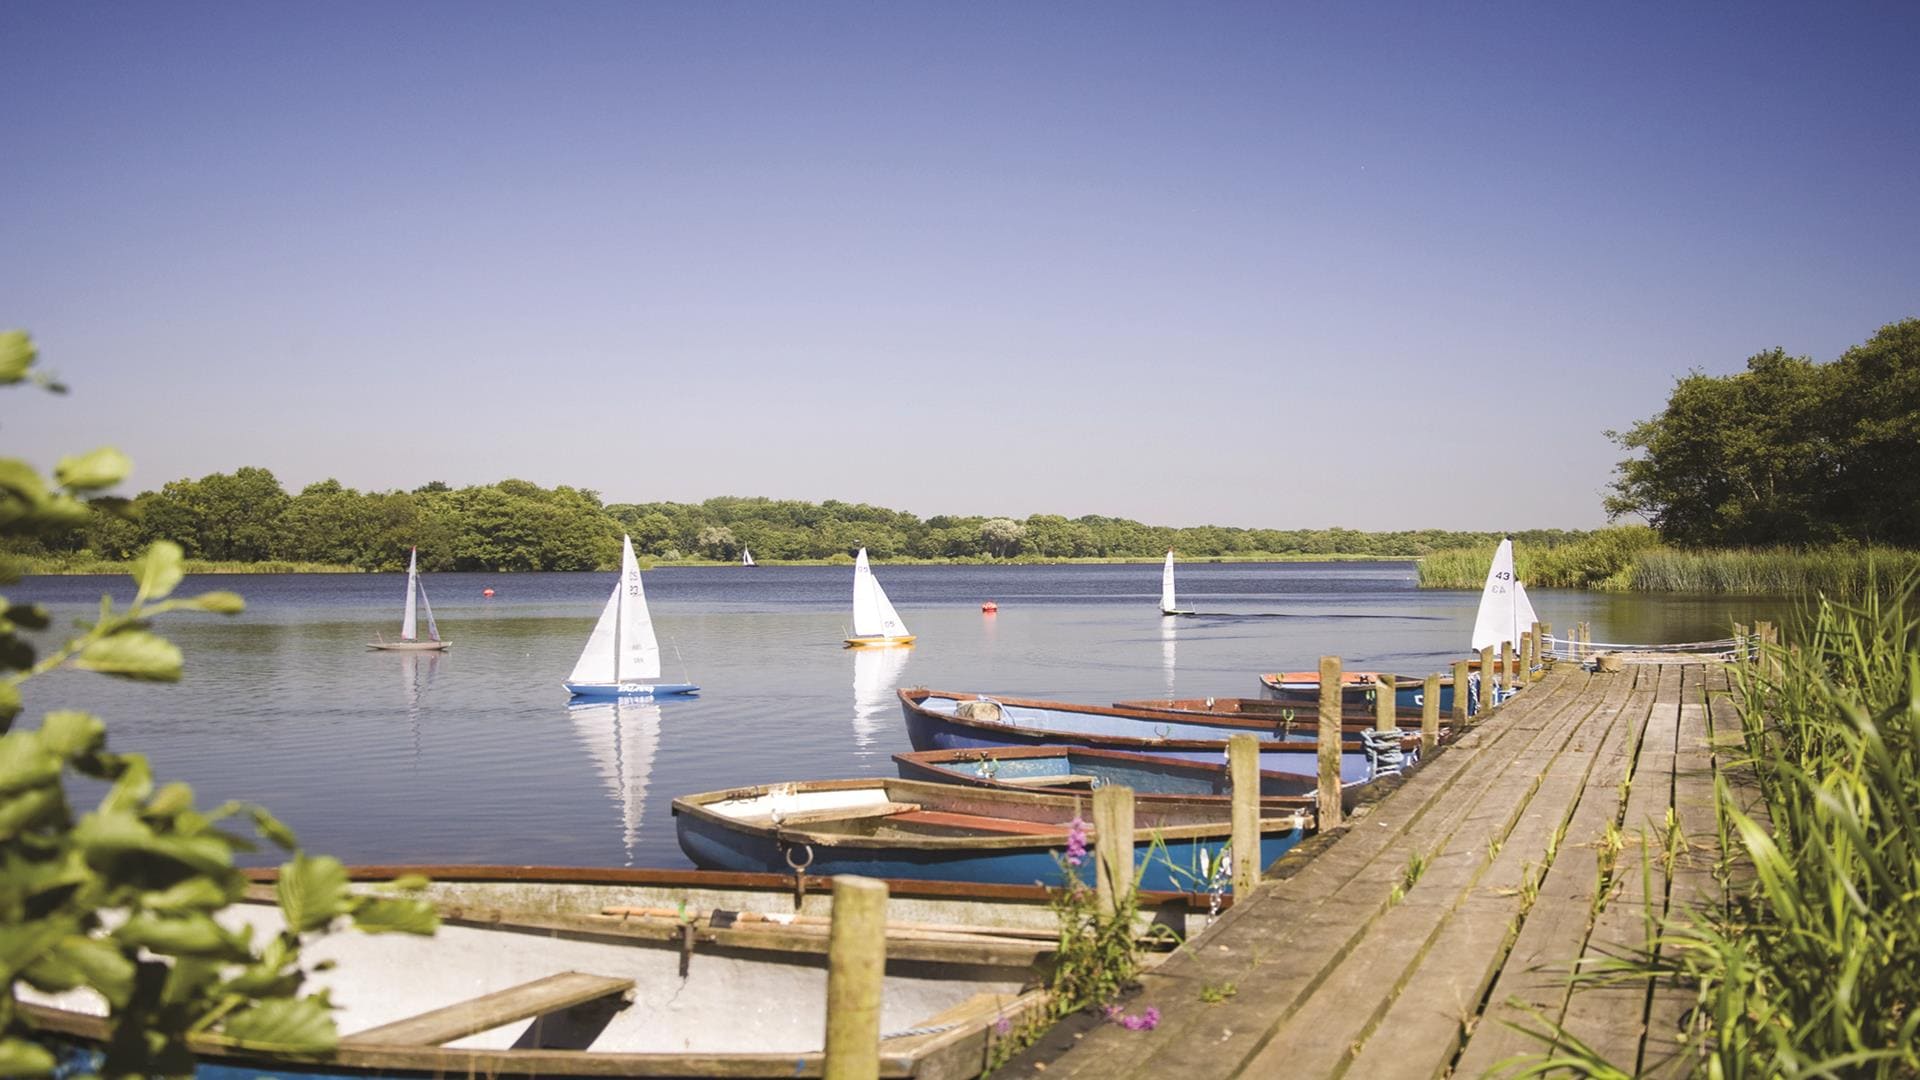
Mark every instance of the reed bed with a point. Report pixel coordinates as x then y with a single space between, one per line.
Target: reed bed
1632 559
1600 560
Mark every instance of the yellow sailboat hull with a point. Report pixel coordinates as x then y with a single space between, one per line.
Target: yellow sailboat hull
878 642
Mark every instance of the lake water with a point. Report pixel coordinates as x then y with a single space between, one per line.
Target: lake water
475 756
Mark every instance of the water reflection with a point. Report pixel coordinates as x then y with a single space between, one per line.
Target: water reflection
416 678
1169 635
876 675
622 735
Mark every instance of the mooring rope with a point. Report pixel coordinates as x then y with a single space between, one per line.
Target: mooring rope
1384 755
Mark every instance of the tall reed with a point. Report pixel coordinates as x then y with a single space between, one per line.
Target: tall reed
1834 571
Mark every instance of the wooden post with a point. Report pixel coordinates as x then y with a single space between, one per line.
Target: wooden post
1524 663
856 966
1460 669
1487 672
1586 640
1243 769
1384 701
1543 632
1430 715
1113 846
1506 662
1331 814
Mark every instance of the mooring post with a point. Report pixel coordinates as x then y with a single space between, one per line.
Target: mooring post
1525 652
1487 672
1243 769
1112 846
1507 667
1430 715
1459 711
1384 702
1542 633
1330 748
856 966
1586 641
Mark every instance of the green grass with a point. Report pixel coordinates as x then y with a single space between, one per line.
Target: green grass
1632 559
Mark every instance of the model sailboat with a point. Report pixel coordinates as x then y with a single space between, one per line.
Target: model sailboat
746 557
1167 606
1505 611
874 620
623 657
409 641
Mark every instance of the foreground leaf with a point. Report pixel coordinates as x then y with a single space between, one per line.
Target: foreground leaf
313 891
18 1057
158 571
93 470
298 1026
133 654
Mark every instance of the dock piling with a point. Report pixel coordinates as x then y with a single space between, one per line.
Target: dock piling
1329 781
1430 716
1113 846
856 967
1383 702
1487 672
1459 711
1243 770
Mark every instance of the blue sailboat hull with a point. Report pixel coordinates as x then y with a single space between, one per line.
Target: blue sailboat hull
629 689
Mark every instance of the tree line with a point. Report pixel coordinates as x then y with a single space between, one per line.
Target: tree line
247 516
1789 452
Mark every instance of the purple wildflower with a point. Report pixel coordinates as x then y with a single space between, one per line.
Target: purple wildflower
1076 841
1146 1021
1003 1025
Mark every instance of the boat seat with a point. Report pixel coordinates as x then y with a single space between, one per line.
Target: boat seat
1068 780
489 1011
976 823
837 813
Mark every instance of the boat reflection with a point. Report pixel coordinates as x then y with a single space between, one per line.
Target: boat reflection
876 675
1169 637
416 678
622 734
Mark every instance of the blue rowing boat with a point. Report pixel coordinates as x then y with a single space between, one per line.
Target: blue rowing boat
1081 769
942 720
947 832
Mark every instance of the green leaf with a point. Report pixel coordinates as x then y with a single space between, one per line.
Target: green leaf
23 943
297 1026
78 960
272 828
18 1057
193 894
29 616
25 762
10 703
170 801
107 836
313 891
191 934
23 480
411 882
132 654
387 915
16 355
28 808
219 602
158 571
69 734
92 470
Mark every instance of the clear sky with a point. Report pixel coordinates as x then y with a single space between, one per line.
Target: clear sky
1278 265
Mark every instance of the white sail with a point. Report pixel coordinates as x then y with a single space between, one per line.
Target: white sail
622 648
873 614
746 557
1498 620
413 580
876 675
1523 613
1166 586
433 629
622 736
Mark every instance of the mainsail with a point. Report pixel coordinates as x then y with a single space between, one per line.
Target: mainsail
407 627
873 614
1504 609
1166 586
622 648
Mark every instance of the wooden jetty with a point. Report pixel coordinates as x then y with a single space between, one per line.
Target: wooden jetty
1409 942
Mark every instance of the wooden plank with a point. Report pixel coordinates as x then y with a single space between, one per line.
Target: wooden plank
944 819
489 1011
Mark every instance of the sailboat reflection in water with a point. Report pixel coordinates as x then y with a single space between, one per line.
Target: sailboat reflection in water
416 678
876 675
622 735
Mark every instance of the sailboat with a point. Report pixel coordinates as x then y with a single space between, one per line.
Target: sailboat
623 657
1167 606
746 558
408 640
874 620
1504 609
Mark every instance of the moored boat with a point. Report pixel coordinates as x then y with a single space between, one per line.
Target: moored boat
622 657
409 637
912 829
1081 769
725 976
1355 715
1302 689
944 720
875 623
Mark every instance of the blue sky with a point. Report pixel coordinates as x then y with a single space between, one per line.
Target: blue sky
1256 264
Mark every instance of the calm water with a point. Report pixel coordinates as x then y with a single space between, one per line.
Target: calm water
475 755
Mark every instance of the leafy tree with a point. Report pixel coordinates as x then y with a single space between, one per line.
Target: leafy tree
123 899
1001 537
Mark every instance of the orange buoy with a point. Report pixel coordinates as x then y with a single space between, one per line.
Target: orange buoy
486 592
989 607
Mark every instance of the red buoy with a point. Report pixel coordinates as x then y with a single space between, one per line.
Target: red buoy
486 592
989 607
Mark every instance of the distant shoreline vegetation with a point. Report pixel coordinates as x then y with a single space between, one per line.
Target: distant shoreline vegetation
245 521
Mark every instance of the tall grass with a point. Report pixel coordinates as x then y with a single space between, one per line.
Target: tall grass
1632 558
1602 560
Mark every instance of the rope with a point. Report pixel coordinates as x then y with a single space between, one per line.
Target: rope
1384 755
912 1031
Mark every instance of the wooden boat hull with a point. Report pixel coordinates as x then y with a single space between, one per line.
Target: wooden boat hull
947 832
629 689
410 646
1302 688
878 642
1268 710
934 722
749 1002
1081 769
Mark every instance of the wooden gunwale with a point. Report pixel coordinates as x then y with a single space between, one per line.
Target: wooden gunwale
909 699
943 759
1122 710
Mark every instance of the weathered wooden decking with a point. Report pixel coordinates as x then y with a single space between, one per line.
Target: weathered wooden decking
1458 903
